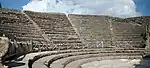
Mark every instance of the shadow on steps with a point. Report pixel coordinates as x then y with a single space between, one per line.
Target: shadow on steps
145 63
14 64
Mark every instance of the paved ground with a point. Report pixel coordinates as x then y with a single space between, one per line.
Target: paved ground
117 63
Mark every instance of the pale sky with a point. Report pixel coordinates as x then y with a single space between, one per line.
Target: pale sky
119 8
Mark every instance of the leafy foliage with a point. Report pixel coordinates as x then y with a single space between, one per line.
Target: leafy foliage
118 19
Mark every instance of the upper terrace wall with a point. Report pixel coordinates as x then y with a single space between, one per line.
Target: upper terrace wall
143 21
128 34
103 32
58 30
93 30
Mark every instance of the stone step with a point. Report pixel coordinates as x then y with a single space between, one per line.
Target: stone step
61 24
127 34
56 28
84 47
128 39
104 50
17 29
69 44
68 31
29 39
78 63
88 56
12 35
60 32
97 45
33 36
66 41
17 23
63 33
105 39
128 42
62 63
50 27
20 32
16 26
73 52
23 33
130 46
65 38
64 47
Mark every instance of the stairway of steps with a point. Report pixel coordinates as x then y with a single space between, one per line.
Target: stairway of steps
78 63
70 57
78 57
15 25
93 30
58 30
64 57
100 31
73 39
128 34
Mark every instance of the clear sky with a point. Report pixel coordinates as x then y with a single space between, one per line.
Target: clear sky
141 6
17 4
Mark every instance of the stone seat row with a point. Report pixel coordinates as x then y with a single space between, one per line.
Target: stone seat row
76 53
79 62
58 29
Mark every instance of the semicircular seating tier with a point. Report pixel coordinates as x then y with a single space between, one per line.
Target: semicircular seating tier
61 40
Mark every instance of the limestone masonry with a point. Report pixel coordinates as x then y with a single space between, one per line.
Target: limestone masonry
60 40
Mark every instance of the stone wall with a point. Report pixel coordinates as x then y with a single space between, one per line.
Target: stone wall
17 27
128 34
57 29
102 31
4 44
93 30
34 31
142 21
